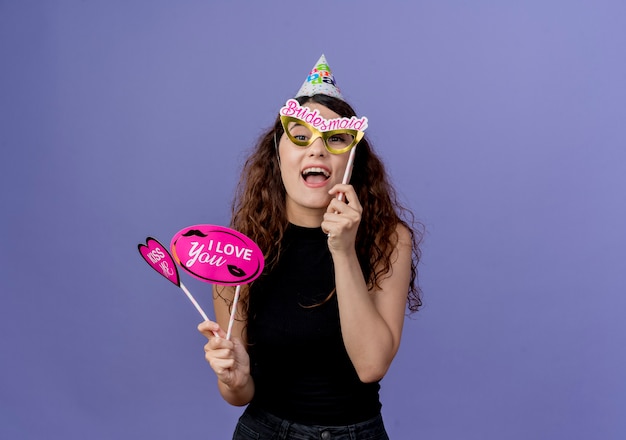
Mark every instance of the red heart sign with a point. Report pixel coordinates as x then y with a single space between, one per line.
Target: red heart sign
157 256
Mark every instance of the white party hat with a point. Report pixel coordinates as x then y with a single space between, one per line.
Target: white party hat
320 81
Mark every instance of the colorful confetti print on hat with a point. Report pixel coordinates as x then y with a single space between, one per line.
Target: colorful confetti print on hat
320 81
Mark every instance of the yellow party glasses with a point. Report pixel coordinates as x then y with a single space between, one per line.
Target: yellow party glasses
304 134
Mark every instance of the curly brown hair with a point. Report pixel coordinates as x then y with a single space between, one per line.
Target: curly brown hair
259 207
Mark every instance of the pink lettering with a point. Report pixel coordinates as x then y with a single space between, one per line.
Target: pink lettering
196 254
231 249
290 108
294 109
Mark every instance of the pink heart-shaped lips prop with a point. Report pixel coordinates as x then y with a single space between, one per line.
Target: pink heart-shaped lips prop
217 254
157 256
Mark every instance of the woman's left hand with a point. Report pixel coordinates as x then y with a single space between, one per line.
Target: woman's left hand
342 218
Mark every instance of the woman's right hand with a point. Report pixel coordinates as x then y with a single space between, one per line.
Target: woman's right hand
228 358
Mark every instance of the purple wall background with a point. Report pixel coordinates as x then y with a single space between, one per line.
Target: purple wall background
502 123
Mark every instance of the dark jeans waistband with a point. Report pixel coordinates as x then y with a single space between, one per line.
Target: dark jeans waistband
257 423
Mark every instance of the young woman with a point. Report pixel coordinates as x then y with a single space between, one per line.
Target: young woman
320 328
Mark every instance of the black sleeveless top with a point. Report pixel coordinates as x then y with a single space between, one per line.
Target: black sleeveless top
300 366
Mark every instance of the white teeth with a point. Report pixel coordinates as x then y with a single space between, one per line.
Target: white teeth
315 170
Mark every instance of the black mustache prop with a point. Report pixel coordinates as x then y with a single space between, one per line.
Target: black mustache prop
195 232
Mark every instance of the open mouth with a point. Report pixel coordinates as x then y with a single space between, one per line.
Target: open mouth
315 175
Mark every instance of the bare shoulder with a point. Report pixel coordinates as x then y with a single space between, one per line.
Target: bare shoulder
402 251
396 280
405 237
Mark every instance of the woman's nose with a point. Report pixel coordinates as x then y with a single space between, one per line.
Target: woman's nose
317 147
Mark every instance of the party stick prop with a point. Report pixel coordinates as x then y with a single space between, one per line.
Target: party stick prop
157 256
218 255
231 321
348 172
